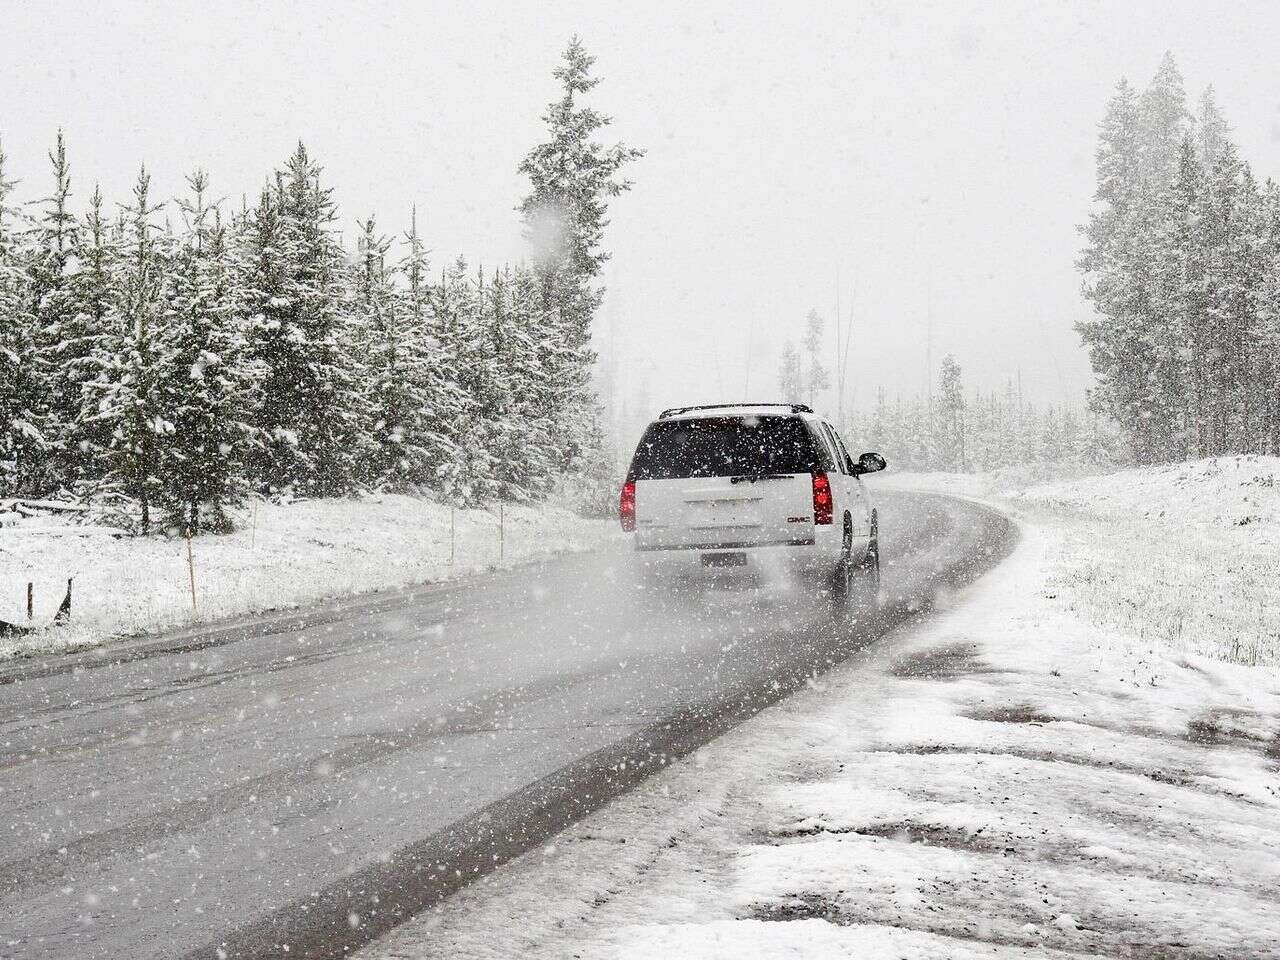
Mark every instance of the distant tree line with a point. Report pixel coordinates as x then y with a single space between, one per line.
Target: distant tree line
979 432
950 430
1182 266
173 357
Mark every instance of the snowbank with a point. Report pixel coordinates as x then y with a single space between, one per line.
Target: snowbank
1179 557
1002 482
1002 780
1219 492
279 556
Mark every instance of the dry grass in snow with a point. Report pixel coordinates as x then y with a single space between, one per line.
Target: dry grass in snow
1183 557
1177 558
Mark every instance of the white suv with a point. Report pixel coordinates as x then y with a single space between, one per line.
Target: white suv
754 486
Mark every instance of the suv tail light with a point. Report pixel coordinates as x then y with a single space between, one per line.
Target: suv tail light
821 498
627 506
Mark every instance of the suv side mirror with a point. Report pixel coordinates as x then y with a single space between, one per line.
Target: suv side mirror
869 463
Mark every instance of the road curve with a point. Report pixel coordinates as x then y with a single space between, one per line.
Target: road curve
316 778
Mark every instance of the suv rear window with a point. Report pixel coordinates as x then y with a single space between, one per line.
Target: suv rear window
725 447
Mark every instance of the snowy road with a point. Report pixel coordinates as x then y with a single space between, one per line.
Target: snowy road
314 780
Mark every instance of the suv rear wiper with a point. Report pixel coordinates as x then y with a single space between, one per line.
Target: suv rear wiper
752 478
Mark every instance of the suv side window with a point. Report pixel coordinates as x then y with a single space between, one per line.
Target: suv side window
844 454
834 442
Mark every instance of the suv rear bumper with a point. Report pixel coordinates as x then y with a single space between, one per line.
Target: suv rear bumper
730 545
793 557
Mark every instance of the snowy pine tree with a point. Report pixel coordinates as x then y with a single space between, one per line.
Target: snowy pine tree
1212 131
790 375
572 177
263 284
22 445
1267 386
59 344
1132 345
1163 119
205 384
817 379
384 462
526 452
469 476
406 390
950 415
293 276
536 358
89 434
436 404
125 393
1118 186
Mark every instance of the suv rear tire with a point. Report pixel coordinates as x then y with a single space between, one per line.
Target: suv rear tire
870 567
856 586
843 576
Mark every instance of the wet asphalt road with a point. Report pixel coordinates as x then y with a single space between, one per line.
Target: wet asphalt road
314 778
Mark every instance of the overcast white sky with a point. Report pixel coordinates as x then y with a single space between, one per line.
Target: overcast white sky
931 153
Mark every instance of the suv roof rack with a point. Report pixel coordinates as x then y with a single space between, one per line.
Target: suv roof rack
676 411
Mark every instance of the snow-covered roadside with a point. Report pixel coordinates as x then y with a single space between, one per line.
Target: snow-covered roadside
1174 558
1003 779
1003 482
280 556
1180 558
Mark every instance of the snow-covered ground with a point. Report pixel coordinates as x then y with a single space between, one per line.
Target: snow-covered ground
1005 481
280 555
1182 558
1019 775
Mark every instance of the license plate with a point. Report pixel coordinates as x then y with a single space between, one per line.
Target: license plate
724 559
